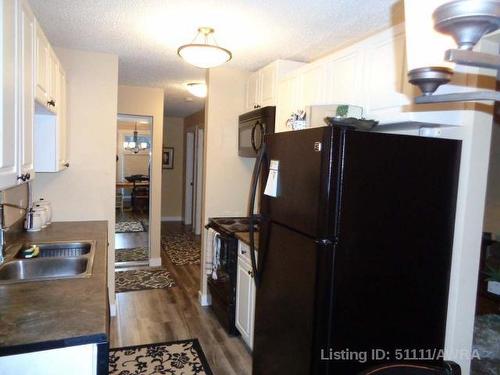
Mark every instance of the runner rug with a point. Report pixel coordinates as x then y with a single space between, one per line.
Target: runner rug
180 357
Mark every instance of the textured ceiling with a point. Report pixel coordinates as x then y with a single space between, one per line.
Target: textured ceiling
145 34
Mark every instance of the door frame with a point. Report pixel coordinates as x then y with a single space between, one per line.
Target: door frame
198 180
150 119
189 178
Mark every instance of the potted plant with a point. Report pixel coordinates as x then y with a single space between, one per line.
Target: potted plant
493 280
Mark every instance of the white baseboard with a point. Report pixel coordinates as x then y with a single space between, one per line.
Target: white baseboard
171 218
204 299
112 309
155 262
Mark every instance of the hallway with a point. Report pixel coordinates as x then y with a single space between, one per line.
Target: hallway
160 315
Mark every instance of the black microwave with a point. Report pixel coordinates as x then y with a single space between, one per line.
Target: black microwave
253 126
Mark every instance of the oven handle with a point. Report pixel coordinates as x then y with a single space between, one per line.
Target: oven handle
254 219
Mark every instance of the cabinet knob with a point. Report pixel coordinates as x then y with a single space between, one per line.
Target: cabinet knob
250 273
66 165
51 103
243 251
28 176
22 177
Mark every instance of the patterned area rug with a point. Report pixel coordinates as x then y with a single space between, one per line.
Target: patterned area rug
180 357
129 227
138 254
181 248
127 281
487 345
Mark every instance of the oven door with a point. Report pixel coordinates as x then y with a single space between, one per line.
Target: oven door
250 137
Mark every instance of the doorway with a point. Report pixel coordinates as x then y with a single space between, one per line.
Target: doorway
194 179
133 175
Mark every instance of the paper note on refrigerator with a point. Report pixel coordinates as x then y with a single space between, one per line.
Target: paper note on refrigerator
272 179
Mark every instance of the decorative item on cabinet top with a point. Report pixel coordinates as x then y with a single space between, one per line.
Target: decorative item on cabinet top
315 115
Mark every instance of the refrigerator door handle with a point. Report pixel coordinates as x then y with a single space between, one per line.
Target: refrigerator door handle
254 219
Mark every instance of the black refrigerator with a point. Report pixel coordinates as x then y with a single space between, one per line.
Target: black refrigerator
355 250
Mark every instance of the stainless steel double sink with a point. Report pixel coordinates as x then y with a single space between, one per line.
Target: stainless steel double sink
56 260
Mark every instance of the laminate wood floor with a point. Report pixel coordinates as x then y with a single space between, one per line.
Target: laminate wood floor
159 315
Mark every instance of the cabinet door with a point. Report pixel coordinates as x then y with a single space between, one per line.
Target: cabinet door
53 81
314 85
8 127
384 72
268 85
26 42
344 76
243 301
61 118
252 100
285 105
42 67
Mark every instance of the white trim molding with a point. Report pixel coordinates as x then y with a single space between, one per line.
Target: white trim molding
155 262
204 299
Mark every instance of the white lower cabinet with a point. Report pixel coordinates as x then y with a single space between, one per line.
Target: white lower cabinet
75 360
245 296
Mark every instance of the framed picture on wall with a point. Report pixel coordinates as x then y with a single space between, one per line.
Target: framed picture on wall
168 158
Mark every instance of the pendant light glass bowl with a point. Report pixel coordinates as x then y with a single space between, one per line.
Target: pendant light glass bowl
206 54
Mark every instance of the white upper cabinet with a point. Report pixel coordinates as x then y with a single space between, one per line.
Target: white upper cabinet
314 81
290 99
9 154
47 71
268 85
50 130
262 85
370 73
343 79
26 43
30 71
252 95
385 72
42 54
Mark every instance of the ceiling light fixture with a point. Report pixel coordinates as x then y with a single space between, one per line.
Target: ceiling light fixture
203 51
198 89
135 146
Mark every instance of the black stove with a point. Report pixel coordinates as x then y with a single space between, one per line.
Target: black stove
223 287
230 225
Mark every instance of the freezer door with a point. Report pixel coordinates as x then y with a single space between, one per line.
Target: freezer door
306 184
287 302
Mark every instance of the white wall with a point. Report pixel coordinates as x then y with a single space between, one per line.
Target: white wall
226 175
171 200
148 101
86 190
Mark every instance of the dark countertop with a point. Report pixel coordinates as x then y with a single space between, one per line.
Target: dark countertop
51 314
245 237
